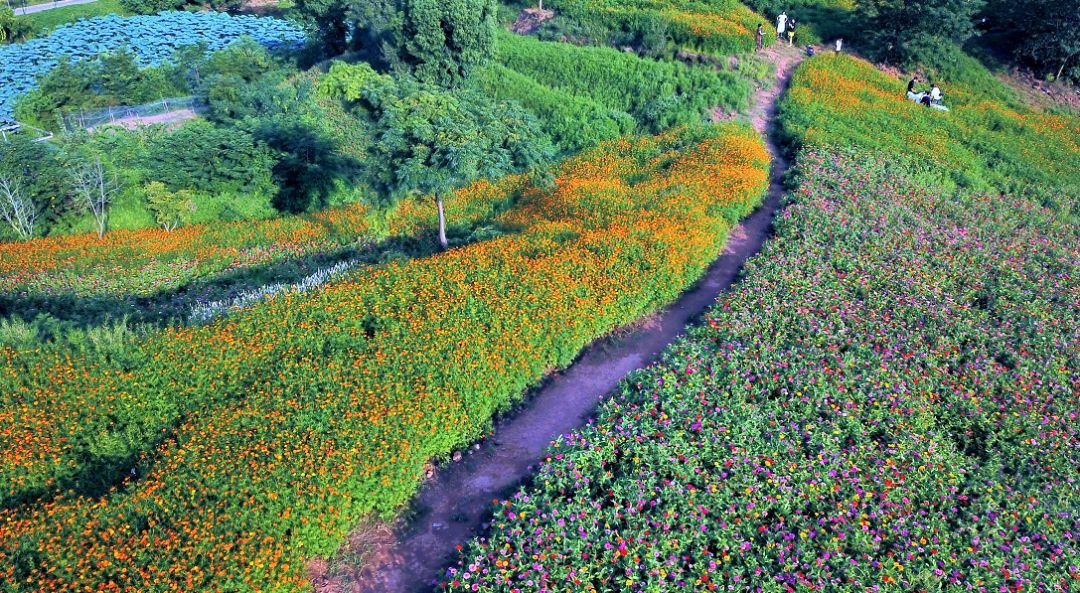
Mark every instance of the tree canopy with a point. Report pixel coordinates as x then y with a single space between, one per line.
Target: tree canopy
901 30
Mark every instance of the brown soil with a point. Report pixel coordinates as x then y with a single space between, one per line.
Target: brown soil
455 503
530 20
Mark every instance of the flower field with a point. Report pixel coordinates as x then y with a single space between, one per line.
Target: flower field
839 100
148 261
719 27
261 438
152 38
887 402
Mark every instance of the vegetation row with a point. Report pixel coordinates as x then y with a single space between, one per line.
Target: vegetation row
255 442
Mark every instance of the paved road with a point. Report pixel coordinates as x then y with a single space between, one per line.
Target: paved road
49 6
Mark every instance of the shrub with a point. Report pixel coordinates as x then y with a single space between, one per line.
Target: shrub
658 93
574 122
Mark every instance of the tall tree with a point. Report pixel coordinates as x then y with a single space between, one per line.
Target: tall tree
901 30
431 143
1047 36
438 41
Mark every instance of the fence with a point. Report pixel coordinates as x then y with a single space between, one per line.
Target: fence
136 114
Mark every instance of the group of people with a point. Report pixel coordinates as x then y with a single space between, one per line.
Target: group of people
930 98
786 26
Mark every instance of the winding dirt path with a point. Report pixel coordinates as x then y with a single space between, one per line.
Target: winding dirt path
455 503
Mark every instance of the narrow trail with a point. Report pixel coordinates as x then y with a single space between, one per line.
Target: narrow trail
454 505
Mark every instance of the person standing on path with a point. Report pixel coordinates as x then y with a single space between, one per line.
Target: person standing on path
839 44
760 34
781 25
791 33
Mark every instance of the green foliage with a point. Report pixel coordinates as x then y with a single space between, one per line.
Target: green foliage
156 6
438 41
211 158
431 141
114 79
358 84
659 94
151 6
574 122
39 174
904 32
170 208
45 21
12 28
659 27
1046 36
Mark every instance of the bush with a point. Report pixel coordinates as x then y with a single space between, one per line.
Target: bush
573 122
211 159
658 94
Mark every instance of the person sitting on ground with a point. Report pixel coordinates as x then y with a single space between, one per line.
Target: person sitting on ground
925 100
911 84
935 95
781 25
791 33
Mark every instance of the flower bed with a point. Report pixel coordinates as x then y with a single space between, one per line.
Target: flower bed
887 402
261 438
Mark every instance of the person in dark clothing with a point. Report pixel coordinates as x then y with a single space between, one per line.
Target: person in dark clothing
911 84
760 32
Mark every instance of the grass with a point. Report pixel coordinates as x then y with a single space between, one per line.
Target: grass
45 21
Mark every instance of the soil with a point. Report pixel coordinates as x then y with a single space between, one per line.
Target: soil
530 19
455 503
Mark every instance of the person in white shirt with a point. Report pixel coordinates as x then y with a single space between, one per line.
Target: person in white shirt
839 44
935 95
781 25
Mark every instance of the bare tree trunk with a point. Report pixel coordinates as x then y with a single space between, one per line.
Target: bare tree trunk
18 210
94 190
1062 68
442 222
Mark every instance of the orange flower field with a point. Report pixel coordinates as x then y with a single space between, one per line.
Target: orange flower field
261 438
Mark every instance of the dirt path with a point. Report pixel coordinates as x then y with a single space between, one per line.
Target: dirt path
455 503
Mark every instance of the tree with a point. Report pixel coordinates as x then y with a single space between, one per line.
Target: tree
94 186
12 28
431 142
170 208
1047 36
39 175
901 30
17 208
438 41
